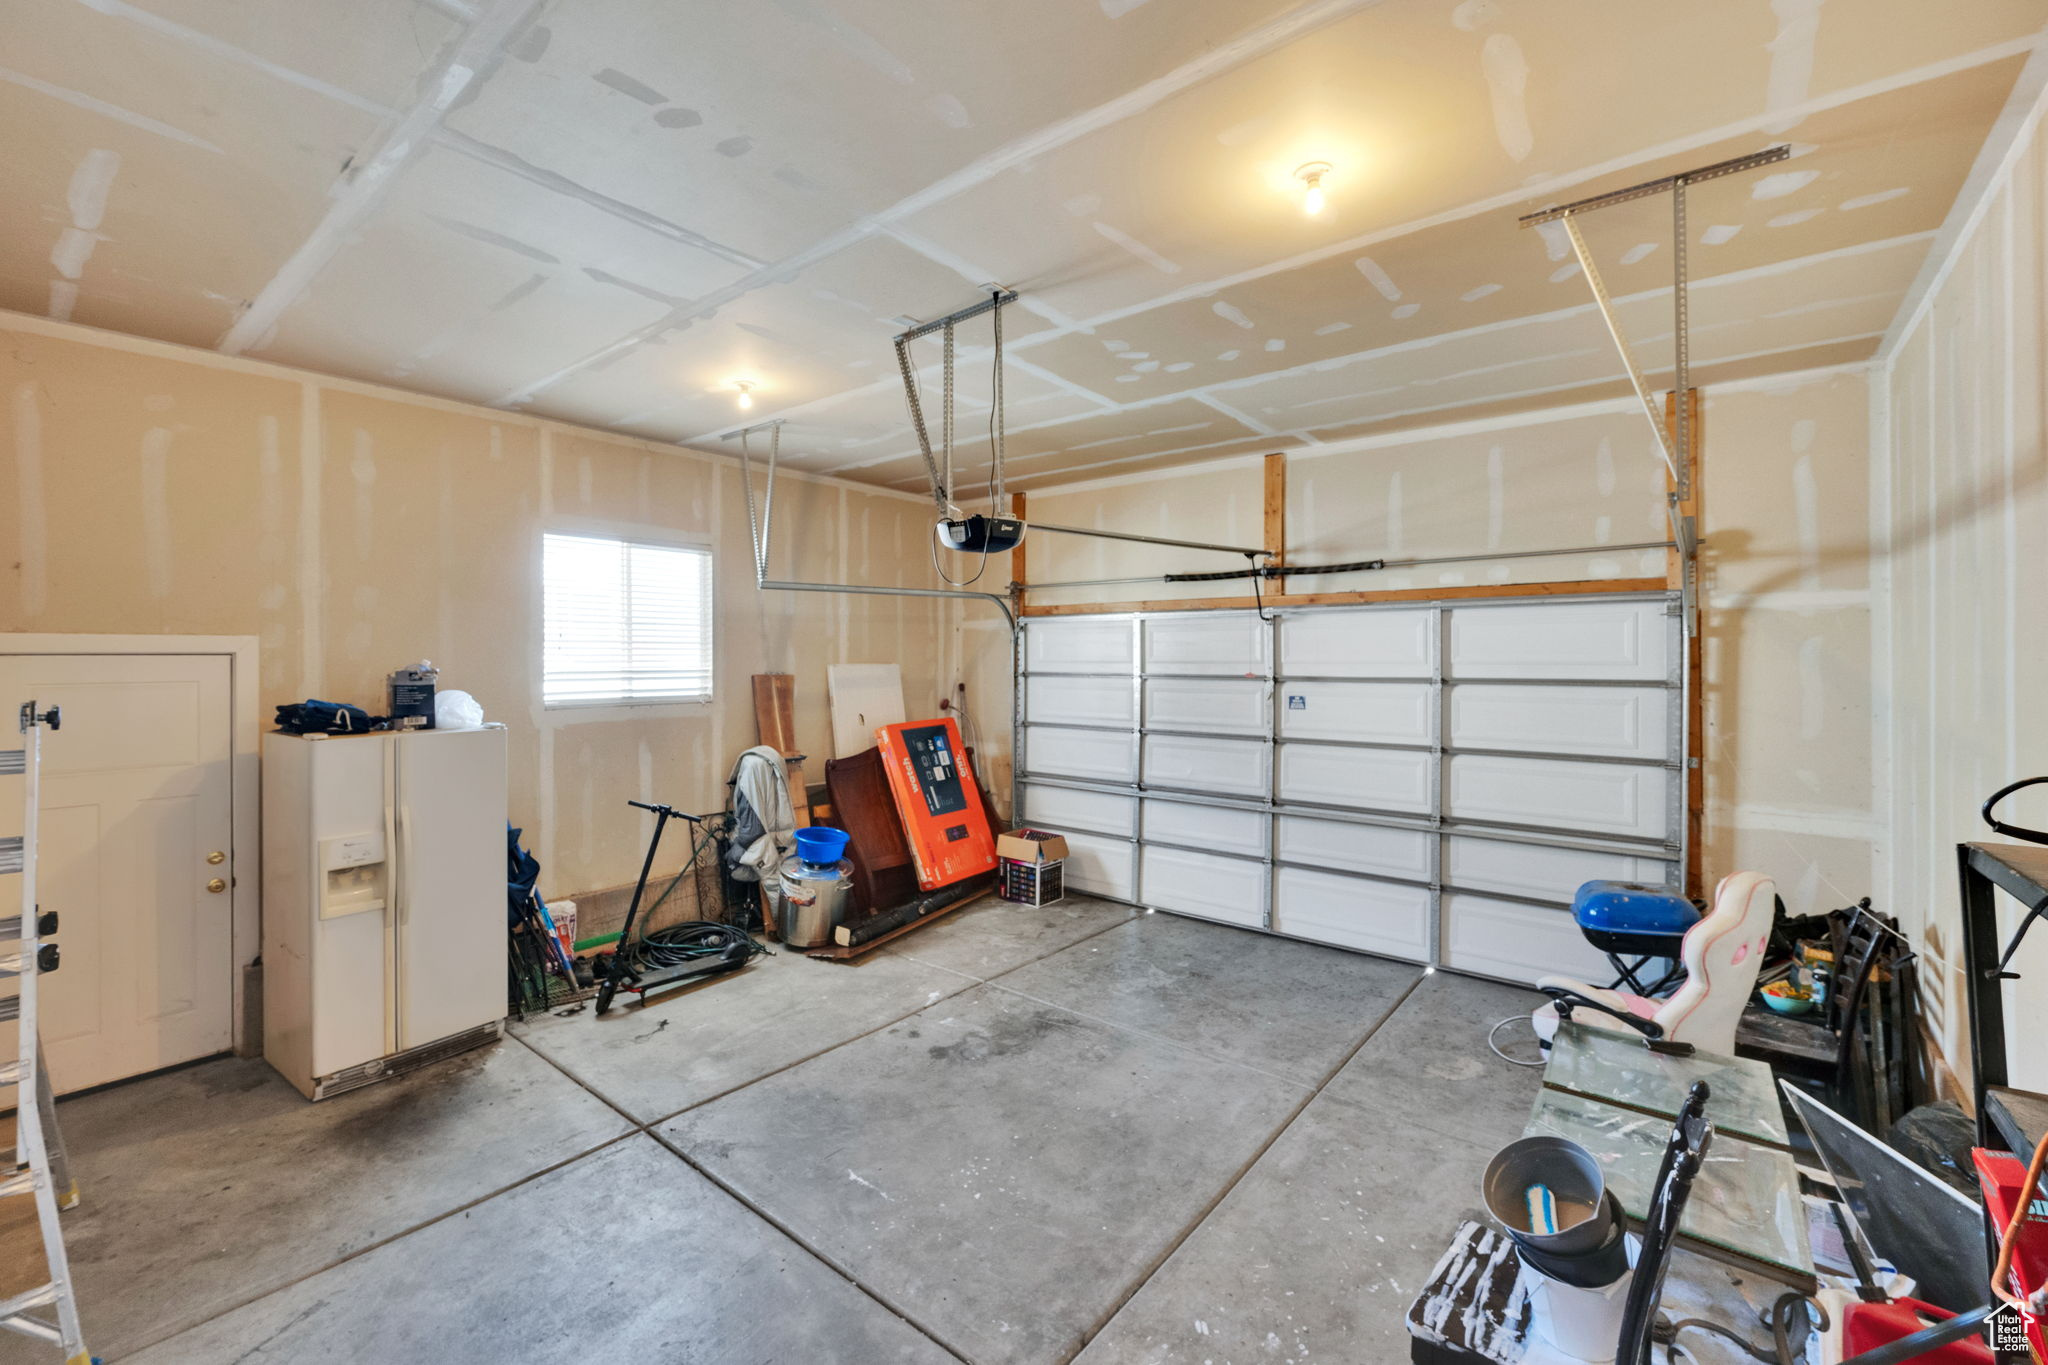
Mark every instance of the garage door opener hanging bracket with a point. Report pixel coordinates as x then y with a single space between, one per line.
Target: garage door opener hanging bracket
1673 440
998 531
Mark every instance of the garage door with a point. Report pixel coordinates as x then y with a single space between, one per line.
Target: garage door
1427 781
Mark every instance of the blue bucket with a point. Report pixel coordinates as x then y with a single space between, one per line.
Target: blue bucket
819 845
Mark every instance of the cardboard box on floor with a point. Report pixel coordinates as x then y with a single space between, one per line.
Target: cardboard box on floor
1031 846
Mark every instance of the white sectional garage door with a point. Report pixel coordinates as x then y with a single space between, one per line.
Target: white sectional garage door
1428 781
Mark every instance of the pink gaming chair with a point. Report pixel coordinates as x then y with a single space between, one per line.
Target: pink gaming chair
1721 954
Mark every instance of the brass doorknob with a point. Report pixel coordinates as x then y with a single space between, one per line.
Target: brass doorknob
217 885
216 858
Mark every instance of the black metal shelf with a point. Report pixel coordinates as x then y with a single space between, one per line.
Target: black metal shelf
2009 1118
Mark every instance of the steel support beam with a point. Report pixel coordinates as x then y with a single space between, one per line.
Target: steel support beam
1732 166
996 299
1628 359
1142 540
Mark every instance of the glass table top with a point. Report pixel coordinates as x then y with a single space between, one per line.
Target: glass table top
1602 1064
1745 1202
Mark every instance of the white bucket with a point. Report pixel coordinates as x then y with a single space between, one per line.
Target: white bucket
1583 1323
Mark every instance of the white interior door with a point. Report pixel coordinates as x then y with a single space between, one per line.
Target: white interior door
136 802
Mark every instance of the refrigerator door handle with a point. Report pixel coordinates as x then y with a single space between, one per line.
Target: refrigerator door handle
404 863
392 865
394 893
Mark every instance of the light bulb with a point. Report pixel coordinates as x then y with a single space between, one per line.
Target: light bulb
1311 175
746 400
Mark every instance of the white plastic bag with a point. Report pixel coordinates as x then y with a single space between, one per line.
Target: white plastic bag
457 711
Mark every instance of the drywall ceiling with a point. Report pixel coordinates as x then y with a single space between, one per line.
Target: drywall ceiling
608 211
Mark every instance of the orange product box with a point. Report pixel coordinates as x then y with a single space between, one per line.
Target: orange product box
936 797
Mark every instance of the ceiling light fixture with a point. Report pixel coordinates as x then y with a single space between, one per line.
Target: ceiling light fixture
746 388
1311 175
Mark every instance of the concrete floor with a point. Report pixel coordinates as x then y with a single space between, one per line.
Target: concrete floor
1014 1136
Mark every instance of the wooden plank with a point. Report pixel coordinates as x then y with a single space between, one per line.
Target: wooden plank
1276 514
775 710
1696 691
1672 565
1017 556
775 723
1583 587
775 726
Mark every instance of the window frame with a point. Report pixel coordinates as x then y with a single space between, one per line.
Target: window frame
627 533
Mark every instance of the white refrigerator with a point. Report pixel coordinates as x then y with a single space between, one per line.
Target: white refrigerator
384 917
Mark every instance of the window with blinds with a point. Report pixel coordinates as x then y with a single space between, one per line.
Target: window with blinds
624 622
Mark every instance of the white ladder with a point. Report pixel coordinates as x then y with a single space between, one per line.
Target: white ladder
40 1166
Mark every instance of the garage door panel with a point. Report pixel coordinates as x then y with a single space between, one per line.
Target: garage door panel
1364 779
1224 706
1230 646
1377 917
1518 942
1364 713
1222 767
1091 754
1101 867
1616 722
1532 870
1055 700
1342 845
1061 809
1605 798
1590 640
1358 644
1232 889
1211 827
1079 646
1556 719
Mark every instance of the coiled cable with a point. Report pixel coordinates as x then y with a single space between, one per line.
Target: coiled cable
675 944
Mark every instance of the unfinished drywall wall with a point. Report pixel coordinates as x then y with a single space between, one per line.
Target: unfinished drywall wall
1785 587
1785 580
354 529
1963 521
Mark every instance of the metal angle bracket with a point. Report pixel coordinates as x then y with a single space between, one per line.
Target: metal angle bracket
758 531
1675 446
1674 439
1665 445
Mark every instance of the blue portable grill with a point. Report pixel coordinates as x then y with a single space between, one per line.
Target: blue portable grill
1645 923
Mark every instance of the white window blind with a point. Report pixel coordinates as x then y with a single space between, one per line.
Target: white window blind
624 621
